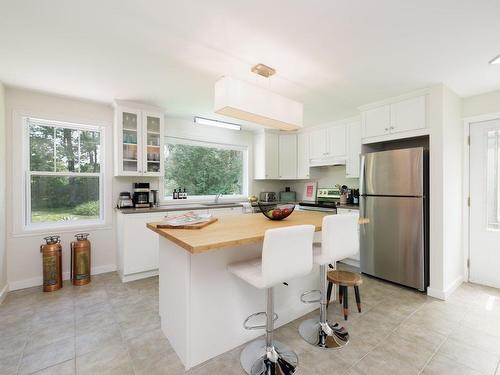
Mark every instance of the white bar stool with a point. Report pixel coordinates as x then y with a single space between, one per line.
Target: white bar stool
286 253
339 236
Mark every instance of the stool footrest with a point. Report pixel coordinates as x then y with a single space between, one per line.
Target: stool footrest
249 327
311 300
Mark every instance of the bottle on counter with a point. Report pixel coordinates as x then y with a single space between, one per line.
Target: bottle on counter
184 194
175 195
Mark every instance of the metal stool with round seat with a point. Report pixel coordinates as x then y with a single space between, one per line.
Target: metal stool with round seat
339 238
286 253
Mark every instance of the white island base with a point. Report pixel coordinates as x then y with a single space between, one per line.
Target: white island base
203 306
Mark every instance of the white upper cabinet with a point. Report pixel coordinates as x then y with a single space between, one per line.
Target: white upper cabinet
328 145
376 121
395 120
408 115
266 156
288 156
317 144
138 141
303 155
336 140
352 167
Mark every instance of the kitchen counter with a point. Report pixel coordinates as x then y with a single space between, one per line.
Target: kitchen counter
178 207
202 305
234 230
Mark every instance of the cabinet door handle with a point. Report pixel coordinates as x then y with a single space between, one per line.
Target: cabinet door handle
386 129
392 127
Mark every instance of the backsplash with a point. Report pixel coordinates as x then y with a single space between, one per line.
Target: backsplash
326 177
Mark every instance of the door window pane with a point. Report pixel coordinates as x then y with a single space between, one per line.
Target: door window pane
493 175
203 170
63 198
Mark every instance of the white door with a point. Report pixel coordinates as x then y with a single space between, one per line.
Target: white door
288 156
484 220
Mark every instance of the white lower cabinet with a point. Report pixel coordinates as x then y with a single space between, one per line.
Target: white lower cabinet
353 260
137 246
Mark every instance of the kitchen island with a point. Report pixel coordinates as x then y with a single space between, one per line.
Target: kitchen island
202 305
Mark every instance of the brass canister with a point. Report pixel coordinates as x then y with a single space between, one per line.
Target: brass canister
52 263
80 260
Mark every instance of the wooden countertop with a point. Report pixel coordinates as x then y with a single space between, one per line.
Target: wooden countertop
234 230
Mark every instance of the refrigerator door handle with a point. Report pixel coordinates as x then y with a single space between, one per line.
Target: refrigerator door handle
362 176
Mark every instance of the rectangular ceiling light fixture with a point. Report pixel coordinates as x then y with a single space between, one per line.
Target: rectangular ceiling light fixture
244 101
495 60
217 123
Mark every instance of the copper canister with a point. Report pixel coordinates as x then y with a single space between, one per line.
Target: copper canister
80 260
52 263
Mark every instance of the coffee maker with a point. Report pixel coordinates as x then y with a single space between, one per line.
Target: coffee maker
141 195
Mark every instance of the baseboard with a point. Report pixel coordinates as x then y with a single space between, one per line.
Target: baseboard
138 275
446 293
351 262
3 293
37 281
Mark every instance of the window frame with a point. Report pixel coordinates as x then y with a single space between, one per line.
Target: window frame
206 198
29 226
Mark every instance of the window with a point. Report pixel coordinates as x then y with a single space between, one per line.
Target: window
64 177
205 168
493 179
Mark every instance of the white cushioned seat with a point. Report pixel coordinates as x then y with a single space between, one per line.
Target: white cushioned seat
249 271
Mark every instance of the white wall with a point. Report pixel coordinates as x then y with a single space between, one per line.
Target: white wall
481 104
24 261
3 263
446 149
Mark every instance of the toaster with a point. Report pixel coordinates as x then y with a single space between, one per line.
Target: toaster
267 196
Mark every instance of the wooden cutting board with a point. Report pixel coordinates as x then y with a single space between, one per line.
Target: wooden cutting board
187 226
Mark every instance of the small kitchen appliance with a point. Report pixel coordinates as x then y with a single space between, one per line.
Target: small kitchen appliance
125 200
267 196
288 196
52 263
141 195
156 201
80 260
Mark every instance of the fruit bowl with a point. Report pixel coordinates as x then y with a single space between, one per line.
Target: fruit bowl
277 212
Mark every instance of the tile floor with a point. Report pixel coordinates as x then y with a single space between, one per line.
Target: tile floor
112 328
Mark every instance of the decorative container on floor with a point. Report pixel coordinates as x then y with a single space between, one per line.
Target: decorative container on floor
52 263
80 260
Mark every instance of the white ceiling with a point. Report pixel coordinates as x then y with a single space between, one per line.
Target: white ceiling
333 55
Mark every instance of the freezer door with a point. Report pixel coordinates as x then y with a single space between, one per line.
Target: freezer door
395 172
392 239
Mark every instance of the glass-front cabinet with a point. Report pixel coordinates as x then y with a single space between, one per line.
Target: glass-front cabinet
139 141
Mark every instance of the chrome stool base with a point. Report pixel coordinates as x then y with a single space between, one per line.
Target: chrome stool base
254 359
312 332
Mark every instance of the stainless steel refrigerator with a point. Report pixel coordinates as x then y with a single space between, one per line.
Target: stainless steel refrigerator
394 236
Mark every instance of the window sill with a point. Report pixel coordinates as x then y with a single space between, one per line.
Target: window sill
204 199
58 229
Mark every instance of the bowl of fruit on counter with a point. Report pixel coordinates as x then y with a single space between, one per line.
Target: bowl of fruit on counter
276 212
